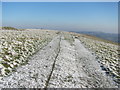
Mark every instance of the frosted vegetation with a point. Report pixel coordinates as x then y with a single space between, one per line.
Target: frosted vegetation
17 46
46 58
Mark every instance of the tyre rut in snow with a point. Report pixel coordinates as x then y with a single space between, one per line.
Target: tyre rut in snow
65 74
36 72
87 65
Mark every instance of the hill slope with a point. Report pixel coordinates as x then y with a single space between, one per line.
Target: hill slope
107 36
52 59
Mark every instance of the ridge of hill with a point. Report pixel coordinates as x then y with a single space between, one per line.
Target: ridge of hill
106 36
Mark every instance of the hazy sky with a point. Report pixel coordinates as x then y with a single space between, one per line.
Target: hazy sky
70 16
0 14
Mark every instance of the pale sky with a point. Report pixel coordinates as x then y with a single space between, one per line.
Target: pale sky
68 16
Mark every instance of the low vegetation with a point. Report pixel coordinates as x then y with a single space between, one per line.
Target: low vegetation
9 28
17 46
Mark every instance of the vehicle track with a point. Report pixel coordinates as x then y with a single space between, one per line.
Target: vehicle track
76 67
65 74
93 75
35 74
59 65
53 66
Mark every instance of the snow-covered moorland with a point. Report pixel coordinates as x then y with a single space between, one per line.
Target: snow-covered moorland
106 53
17 46
55 59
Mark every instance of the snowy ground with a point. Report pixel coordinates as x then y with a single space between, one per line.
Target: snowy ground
62 63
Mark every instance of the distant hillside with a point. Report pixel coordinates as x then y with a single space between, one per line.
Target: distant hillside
9 28
106 36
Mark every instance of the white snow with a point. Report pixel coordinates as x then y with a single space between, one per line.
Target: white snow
60 64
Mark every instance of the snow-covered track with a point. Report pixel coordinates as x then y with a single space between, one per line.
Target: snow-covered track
62 63
65 74
34 74
89 69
